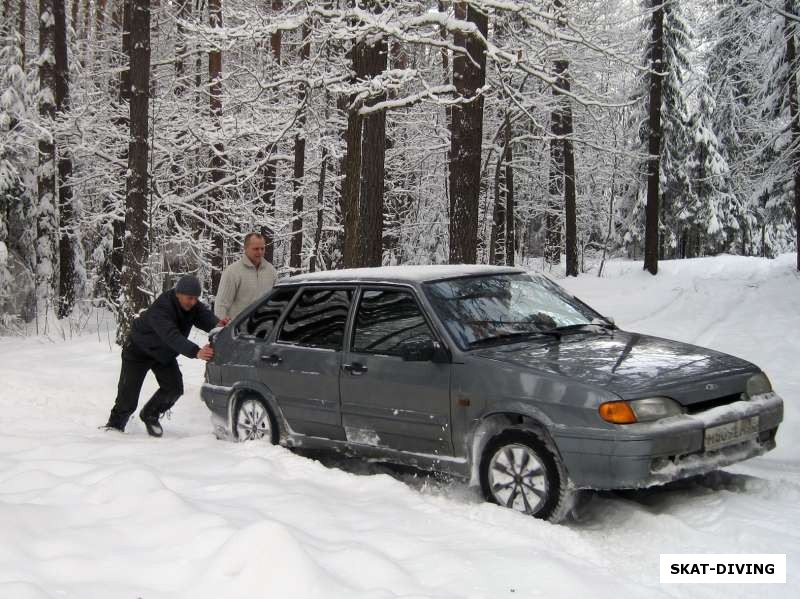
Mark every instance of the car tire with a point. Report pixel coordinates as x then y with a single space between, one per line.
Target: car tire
253 421
519 471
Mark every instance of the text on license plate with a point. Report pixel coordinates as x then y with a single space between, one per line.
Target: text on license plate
730 433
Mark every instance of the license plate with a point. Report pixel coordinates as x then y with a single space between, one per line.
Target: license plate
731 433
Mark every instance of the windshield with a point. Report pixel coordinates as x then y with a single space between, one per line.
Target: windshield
481 309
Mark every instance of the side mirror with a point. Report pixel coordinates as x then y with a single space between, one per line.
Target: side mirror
610 319
426 350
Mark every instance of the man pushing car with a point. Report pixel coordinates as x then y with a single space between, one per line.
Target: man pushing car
157 336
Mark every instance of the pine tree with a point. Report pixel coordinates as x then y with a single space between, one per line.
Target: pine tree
47 216
710 216
675 147
70 261
793 151
733 90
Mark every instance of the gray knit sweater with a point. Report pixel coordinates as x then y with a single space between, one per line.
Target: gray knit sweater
241 285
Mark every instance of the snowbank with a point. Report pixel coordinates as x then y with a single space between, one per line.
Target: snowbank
87 514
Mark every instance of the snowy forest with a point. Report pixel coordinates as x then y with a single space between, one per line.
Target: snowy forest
141 139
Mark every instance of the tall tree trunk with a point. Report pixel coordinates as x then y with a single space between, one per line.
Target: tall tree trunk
218 152
114 281
68 246
295 258
270 174
654 144
23 11
137 182
87 13
312 265
6 26
497 237
565 106
555 190
100 16
268 184
200 104
365 163
791 57
183 13
570 209
74 16
511 226
47 223
178 166
125 73
446 79
466 137
353 239
373 161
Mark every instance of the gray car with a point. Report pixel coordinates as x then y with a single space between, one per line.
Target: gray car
489 373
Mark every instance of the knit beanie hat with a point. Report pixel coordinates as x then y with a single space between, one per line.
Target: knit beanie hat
189 285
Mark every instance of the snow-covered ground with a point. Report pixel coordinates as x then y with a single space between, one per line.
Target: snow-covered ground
88 514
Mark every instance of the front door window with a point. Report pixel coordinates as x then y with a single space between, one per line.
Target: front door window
388 321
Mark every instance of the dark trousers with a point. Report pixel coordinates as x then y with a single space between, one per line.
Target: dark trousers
135 365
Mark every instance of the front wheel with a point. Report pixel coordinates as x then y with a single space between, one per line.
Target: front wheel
253 421
518 471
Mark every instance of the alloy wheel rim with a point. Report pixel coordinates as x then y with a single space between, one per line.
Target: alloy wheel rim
517 478
252 421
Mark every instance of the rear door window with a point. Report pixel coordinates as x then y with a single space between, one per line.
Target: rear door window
318 318
264 318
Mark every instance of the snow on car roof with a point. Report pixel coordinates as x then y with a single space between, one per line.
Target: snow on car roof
404 274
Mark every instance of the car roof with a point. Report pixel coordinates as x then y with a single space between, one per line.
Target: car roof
400 274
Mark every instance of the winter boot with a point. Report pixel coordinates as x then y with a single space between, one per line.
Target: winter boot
150 418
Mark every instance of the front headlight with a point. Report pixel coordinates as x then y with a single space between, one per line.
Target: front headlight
647 409
758 384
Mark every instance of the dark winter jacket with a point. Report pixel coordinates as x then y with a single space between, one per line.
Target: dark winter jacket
161 331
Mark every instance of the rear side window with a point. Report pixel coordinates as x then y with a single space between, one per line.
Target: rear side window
264 318
318 318
388 320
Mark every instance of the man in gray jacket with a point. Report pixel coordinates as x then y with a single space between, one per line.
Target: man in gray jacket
244 281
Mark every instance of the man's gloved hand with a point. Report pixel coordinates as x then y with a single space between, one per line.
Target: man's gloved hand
205 353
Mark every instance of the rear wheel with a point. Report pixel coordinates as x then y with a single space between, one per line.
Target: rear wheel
520 472
253 421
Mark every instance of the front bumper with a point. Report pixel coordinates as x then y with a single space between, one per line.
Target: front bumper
646 454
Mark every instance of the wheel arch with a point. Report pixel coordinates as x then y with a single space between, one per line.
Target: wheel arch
245 390
517 417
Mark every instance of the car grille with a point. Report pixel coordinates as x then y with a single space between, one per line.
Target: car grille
702 406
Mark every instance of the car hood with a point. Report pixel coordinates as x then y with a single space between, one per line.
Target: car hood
630 365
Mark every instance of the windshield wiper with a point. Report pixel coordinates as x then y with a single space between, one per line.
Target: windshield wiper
602 324
519 335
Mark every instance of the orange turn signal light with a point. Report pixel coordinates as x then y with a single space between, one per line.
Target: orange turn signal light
617 412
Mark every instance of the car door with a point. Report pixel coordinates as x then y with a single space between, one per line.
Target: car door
387 400
302 364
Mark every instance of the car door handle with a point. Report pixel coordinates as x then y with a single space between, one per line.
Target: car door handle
272 359
356 369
